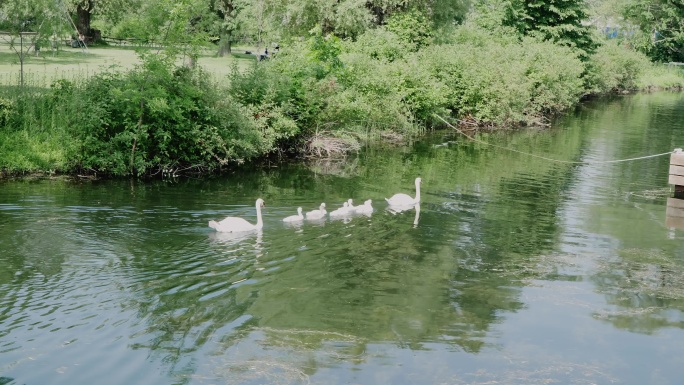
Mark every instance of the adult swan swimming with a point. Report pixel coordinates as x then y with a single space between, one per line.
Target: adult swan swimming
405 200
235 224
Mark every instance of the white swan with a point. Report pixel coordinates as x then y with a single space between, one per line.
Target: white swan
344 210
365 208
405 200
235 224
317 214
295 218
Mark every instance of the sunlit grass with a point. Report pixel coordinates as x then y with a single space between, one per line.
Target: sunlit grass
662 76
77 63
23 151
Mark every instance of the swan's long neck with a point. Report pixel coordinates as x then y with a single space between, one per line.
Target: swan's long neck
260 222
417 191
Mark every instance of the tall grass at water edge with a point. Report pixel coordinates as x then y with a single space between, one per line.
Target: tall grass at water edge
34 135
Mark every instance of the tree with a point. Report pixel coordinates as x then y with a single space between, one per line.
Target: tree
559 21
184 28
85 9
662 25
350 18
27 22
228 21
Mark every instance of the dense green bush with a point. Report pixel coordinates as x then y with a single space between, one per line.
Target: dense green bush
357 91
503 82
7 109
378 83
614 68
413 27
379 44
160 117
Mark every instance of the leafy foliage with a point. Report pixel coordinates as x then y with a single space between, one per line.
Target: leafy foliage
380 44
614 68
160 117
559 21
366 67
507 83
370 83
662 25
7 107
413 27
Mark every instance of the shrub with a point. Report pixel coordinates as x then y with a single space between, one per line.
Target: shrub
7 109
413 27
496 81
160 117
614 68
379 44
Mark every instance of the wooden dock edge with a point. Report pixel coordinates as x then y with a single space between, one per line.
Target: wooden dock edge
674 213
677 167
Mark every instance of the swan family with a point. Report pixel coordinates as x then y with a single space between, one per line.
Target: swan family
236 224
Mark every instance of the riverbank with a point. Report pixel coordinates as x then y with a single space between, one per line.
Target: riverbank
321 97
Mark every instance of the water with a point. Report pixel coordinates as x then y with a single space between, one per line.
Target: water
515 270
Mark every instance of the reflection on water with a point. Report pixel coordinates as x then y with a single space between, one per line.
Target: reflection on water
674 213
510 270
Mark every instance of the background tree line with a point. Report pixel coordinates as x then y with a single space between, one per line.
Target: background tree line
655 27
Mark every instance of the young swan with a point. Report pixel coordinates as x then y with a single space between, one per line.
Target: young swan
351 206
317 214
344 210
365 208
405 200
295 218
235 224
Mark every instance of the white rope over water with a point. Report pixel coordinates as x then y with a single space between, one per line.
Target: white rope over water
551 159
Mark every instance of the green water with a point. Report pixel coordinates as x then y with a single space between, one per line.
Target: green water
515 270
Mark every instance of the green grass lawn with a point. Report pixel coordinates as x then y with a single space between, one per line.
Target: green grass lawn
74 63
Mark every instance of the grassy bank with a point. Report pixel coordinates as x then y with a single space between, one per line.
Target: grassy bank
116 112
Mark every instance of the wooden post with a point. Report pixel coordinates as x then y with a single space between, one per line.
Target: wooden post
677 172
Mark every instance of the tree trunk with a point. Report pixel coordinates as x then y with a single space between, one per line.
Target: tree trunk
225 45
190 61
83 20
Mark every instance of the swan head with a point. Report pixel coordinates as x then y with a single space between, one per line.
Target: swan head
299 210
349 202
322 206
260 202
419 181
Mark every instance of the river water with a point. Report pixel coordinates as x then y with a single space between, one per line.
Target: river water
514 270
